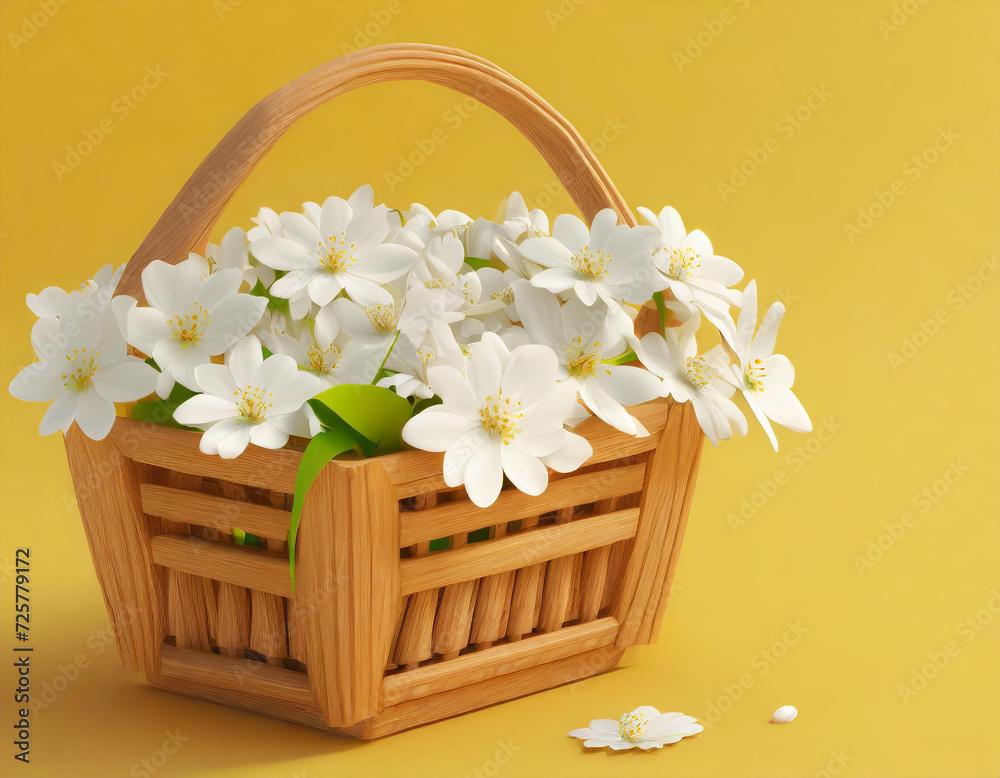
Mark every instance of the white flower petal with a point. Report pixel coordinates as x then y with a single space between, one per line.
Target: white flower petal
266 435
94 415
484 473
574 451
205 409
125 381
437 428
526 472
60 414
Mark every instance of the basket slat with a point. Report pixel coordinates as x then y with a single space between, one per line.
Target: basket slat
220 561
462 516
218 512
499 660
538 544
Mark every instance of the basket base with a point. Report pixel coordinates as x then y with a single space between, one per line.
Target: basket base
284 694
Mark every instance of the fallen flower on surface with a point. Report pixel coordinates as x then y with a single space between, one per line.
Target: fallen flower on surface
645 728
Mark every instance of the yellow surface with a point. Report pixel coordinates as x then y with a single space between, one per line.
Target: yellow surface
886 430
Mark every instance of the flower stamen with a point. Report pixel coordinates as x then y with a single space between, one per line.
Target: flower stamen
81 369
499 416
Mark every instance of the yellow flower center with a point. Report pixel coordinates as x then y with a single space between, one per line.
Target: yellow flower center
499 417
324 360
253 403
592 264
683 263
632 726
754 376
336 255
505 295
190 327
582 362
382 317
697 371
81 369
439 283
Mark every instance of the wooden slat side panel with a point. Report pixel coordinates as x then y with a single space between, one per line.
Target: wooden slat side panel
423 710
177 450
217 512
463 516
499 660
522 549
107 492
221 561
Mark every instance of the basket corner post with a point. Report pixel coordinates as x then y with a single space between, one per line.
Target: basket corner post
671 473
348 587
106 484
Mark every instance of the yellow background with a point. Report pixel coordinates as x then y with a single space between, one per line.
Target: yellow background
682 127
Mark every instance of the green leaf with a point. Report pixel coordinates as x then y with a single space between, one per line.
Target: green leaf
279 304
246 539
377 414
477 264
321 449
425 403
661 306
624 359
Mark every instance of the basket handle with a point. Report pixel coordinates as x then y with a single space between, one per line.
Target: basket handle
188 221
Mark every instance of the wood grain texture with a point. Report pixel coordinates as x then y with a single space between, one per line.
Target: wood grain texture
511 505
177 450
107 492
498 660
558 583
526 591
220 561
538 544
424 710
348 579
218 512
233 632
414 641
187 619
453 621
668 476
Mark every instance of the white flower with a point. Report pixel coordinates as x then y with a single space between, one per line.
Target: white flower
411 361
645 728
326 351
343 251
688 377
518 221
696 274
190 319
583 337
86 376
504 418
248 400
232 252
610 261
765 378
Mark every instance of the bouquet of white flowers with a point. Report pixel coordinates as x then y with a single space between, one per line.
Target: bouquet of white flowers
498 336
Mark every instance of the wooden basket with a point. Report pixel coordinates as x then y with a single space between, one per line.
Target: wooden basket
380 634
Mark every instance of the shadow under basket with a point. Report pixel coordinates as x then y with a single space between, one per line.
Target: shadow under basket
381 634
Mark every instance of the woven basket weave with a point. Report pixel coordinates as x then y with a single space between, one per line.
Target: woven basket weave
380 634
